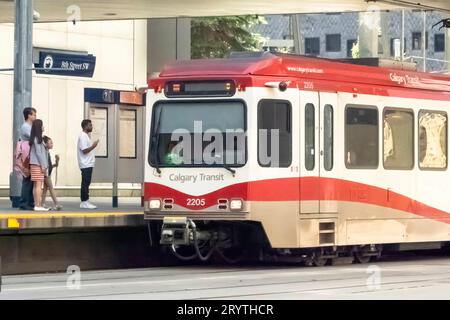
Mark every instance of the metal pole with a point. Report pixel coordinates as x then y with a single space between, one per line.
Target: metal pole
115 185
402 40
298 41
23 48
424 41
447 48
1 272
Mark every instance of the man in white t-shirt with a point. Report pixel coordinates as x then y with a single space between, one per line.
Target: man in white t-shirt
86 162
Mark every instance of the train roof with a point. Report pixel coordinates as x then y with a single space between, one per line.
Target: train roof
270 64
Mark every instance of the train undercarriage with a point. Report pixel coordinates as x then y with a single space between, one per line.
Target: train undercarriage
232 242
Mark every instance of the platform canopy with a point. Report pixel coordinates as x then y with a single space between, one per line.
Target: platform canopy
63 10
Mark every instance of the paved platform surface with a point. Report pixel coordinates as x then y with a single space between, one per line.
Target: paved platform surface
128 213
402 278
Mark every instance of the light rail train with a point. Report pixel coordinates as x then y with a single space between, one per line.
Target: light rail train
294 157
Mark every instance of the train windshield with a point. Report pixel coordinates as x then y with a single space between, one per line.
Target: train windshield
198 133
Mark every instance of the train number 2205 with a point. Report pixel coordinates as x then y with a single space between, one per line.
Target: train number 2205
196 202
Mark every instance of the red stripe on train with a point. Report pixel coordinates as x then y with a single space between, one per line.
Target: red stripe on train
306 188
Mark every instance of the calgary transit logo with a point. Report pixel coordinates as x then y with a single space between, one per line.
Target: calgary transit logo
404 79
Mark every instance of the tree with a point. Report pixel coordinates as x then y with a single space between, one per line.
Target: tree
215 37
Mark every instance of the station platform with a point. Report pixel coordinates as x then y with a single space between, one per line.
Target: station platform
128 214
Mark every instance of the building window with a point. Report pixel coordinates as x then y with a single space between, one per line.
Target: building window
432 140
271 49
350 44
417 40
380 44
439 42
398 139
333 42
310 137
312 46
328 137
361 137
274 119
395 47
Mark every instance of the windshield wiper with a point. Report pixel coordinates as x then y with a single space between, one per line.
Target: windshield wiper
225 166
233 172
155 144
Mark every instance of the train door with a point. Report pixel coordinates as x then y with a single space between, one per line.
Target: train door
328 103
309 152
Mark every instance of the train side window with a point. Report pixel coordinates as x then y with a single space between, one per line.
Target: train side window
432 140
398 139
361 137
328 137
274 116
310 137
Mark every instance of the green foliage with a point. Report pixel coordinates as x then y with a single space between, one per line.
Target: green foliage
215 37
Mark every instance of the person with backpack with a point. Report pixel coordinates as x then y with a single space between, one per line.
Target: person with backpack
23 158
48 185
38 162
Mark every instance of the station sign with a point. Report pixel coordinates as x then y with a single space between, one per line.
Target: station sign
66 64
108 96
101 95
132 98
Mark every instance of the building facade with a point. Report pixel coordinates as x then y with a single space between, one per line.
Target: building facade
334 35
127 53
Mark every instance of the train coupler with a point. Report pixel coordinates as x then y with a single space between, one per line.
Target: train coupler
181 231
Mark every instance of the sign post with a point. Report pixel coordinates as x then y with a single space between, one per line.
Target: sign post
23 49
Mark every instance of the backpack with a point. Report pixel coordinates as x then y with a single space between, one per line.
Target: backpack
22 158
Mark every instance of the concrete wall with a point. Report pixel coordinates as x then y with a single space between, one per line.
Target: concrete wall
121 51
168 40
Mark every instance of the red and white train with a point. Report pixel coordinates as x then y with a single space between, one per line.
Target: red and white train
362 163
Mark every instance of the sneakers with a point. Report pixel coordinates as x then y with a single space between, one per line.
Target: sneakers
40 209
87 205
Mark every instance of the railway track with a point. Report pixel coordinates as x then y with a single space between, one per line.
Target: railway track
423 277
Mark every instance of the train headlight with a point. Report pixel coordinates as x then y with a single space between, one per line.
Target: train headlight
236 204
155 204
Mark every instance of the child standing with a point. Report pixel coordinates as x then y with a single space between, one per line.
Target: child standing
38 162
48 185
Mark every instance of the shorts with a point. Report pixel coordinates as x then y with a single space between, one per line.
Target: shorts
36 173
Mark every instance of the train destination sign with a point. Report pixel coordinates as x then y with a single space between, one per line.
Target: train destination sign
215 88
66 64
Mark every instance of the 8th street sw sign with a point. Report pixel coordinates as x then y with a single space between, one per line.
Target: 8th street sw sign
66 64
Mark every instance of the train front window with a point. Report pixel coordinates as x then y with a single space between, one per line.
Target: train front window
198 133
